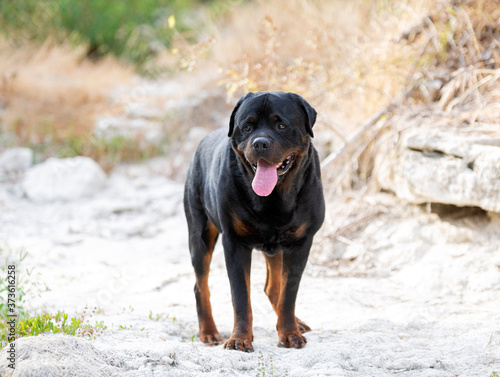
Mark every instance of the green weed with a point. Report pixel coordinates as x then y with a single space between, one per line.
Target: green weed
61 323
56 323
130 309
161 316
24 283
266 367
27 284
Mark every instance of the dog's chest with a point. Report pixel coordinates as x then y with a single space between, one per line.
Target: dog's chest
273 239
271 228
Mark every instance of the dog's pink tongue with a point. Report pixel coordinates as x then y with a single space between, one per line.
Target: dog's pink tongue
265 178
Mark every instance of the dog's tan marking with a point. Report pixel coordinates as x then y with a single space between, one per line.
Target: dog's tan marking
240 227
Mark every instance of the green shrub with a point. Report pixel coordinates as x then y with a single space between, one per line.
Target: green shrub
126 29
134 30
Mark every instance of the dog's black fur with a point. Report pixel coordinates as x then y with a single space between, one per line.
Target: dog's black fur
219 199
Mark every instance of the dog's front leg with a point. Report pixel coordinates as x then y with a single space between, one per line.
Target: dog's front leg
238 263
294 262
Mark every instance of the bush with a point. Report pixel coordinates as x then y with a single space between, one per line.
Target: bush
134 30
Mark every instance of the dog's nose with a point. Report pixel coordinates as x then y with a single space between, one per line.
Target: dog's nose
261 144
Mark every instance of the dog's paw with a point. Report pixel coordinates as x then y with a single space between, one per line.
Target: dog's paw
302 326
239 343
211 339
293 339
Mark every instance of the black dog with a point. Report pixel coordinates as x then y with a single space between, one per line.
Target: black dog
261 189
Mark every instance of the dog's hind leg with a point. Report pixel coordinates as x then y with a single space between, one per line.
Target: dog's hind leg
274 269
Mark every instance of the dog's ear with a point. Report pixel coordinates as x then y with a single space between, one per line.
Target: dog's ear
309 112
233 114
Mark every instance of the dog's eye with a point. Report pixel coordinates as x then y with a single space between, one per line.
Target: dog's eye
281 126
247 128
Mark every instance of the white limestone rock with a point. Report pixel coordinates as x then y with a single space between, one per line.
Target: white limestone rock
443 166
14 161
63 179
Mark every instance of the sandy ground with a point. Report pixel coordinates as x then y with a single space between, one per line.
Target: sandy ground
413 294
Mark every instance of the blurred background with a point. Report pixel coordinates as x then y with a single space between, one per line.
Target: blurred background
127 81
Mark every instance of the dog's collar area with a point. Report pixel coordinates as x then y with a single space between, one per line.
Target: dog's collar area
283 167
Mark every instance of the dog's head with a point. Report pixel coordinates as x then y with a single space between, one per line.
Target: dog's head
271 133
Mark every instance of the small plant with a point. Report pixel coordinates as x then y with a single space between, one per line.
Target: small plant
26 284
187 339
266 367
130 308
59 323
494 374
157 317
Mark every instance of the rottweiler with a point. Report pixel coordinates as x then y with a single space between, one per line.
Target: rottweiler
259 186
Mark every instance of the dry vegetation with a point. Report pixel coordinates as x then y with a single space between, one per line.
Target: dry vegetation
341 56
51 95
453 83
359 63
53 86
454 79
351 60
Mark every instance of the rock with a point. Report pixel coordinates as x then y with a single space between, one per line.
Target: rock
63 179
14 161
443 166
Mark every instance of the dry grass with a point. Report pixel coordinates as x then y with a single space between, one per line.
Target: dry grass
462 55
51 94
341 56
52 91
355 59
453 83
